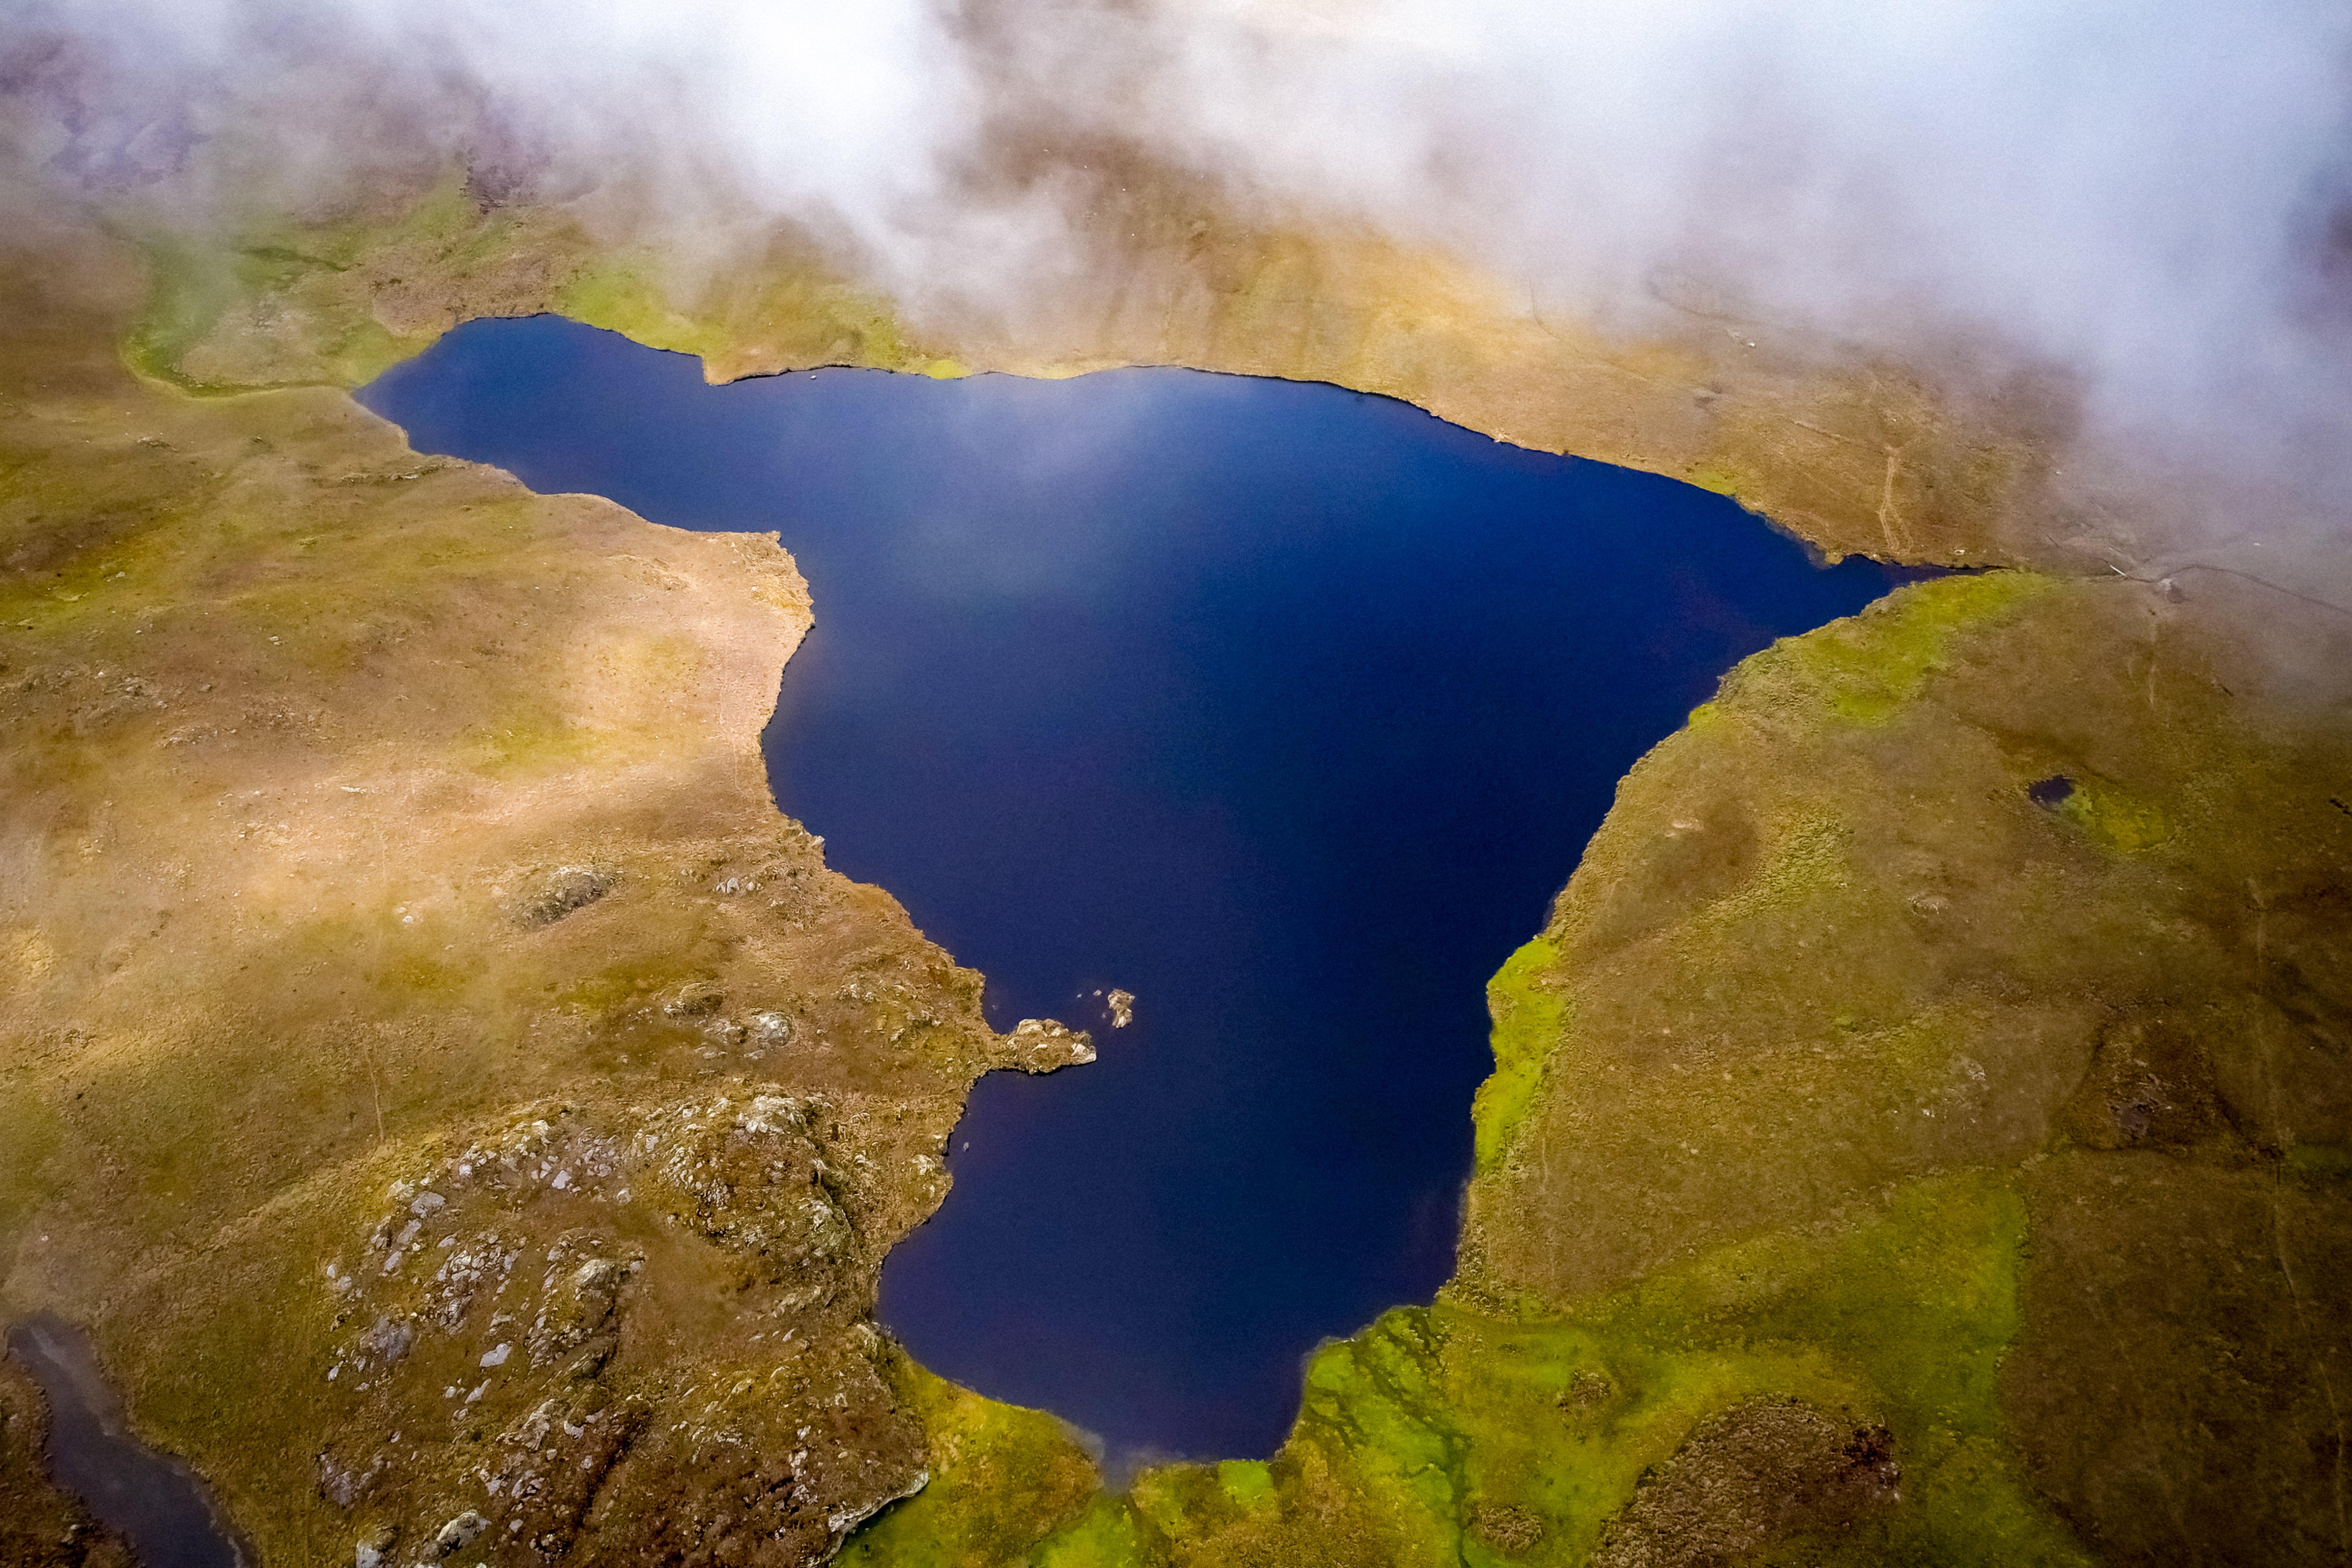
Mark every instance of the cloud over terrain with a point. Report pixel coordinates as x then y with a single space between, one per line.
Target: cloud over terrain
2153 199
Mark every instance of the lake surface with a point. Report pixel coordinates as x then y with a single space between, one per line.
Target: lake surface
159 1506
1284 708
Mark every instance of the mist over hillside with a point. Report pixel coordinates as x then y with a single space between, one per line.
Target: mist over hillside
2150 206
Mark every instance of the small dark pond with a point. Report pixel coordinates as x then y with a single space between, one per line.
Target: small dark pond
1284 708
158 1505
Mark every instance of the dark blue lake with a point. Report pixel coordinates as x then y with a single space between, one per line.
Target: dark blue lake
1285 708
161 1509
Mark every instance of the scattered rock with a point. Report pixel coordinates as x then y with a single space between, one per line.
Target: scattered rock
565 889
459 1533
345 1485
1044 1044
577 1309
695 999
1510 1531
372 1548
592 1358
1122 1009
1586 1391
389 1339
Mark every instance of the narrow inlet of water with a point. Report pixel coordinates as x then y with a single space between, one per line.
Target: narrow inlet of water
159 1506
1286 708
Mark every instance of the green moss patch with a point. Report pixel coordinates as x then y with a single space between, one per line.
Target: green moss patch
1714 477
1529 1016
1867 668
1443 1436
190 288
2114 816
618 296
1434 1413
1001 1478
793 313
1246 1483
1107 1535
2320 1162
301 291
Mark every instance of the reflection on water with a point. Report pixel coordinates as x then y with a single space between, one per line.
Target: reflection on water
1286 708
158 1505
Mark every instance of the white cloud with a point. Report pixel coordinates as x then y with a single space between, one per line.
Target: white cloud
2141 191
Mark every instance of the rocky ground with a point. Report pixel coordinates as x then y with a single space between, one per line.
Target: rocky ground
469 1120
